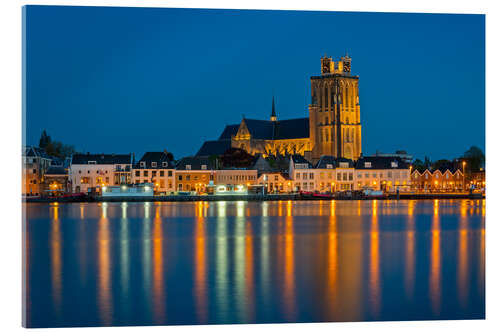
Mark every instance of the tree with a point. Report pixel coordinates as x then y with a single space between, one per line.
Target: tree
55 148
474 158
44 140
236 158
427 162
418 165
441 163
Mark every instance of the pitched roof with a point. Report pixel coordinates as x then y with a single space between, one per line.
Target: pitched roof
229 130
102 158
195 162
153 156
381 162
292 129
33 151
215 147
334 161
299 159
56 170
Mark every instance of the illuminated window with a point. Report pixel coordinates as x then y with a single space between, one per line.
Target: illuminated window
188 166
203 167
143 164
153 164
368 164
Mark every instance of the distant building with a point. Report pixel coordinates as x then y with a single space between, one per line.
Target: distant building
97 170
234 176
332 128
383 173
407 158
155 168
35 164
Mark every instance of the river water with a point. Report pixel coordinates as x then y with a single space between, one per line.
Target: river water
101 264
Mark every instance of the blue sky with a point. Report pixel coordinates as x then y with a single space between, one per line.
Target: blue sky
147 79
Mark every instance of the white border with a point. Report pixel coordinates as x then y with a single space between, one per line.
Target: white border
10 88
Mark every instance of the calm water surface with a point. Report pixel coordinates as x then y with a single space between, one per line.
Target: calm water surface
94 264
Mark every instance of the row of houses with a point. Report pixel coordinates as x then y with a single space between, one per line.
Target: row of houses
197 174
85 173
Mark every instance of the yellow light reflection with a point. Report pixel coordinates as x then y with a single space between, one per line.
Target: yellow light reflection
463 269
289 285
103 268
158 281
56 262
435 262
374 262
410 252
221 267
200 271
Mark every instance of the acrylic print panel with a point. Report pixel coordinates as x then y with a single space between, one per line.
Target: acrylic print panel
194 166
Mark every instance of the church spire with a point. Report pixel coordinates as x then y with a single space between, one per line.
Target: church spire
273 112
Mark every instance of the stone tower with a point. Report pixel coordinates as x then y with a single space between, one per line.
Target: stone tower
334 117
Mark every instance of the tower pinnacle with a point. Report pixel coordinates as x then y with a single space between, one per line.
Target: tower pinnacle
273 112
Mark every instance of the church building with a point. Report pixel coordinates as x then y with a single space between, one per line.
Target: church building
332 128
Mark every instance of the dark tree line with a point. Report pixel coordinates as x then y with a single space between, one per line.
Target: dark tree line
474 160
55 148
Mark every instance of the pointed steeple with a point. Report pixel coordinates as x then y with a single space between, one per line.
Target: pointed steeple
273 112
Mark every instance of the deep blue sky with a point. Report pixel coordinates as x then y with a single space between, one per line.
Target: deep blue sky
147 79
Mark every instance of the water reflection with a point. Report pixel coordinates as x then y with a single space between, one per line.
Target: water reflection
200 270
435 262
244 262
374 262
56 261
104 268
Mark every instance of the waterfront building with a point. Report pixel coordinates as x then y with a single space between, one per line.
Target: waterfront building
275 182
332 128
335 174
194 174
157 169
444 179
55 181
35 164
301 174
235 176
382 173
88 171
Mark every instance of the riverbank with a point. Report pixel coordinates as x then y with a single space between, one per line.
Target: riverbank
256 197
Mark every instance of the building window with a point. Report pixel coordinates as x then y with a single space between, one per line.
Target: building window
297 176
153 173
162 173
311 175
145 174
344 176
368 164
394 164
350 175
34 171
188 166
180 177
344 165
143 164
91 162
79 171
170 173
153 164
329 166
203 167
188 177
339 176
164 164
137 173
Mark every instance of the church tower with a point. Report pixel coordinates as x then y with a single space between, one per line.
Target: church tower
334 113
